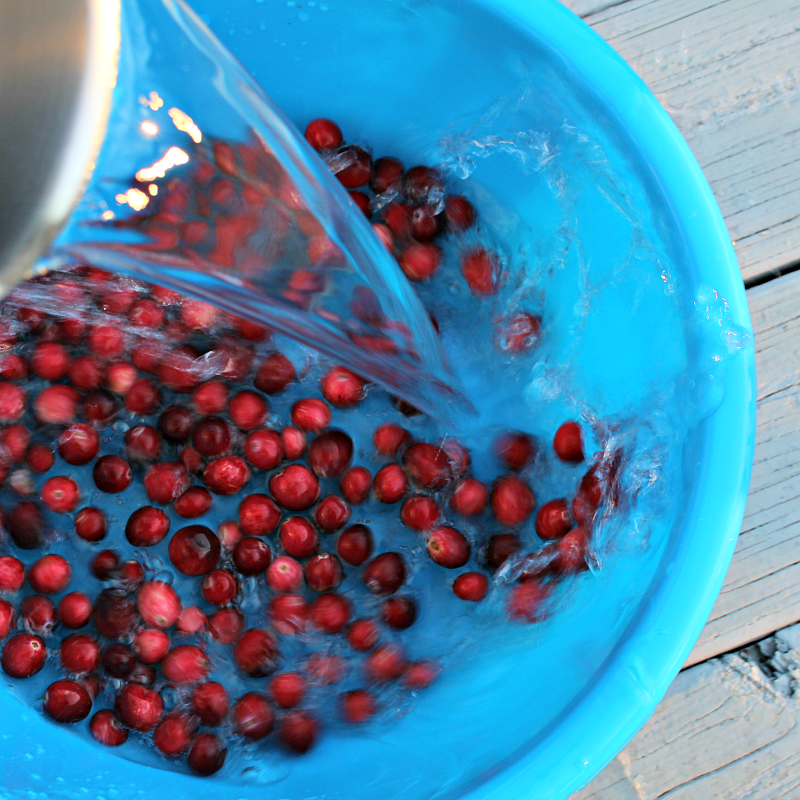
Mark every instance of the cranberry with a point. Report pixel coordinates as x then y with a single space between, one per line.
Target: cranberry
342 388
420 675
448 547
165 481
20 480
258 515
90 524
459 212
60 494
40 458
311 414
185 664
363 635
120 377
515 450
284 574
385 573
13 367
263 449
480 268
180 370
426 223
139 707
355 544
12 574
251 556
419 513
194 550
85 374
422 184
194 502
226 625
23 655
512 500
355 485
253 716
298 537
323 573
256 653
389 438
294 442
146 314
13 402
357 706
151 645
26 525
298 731
288 689
159 604
469 498
78 444
427 466
175 424
114 614
385 234
571 552
526 601
197 315
6 618
67 701
207 754
458 456
387 175
399 612
288 614
471 586
330 453
322 134
295 487
568 442
398 219
386 663
275 374
420 260
75 610
50 574
80 653
331 514
112 474
100 407
142 443
219 587
107 729
226 475
14 441
390 484
519 332
553 520
210 398
56 404
210 703
248 410
143 674
173 734
359 166
143 397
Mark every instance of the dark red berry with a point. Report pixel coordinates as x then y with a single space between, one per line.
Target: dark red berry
471 586
226 625
288 689
75 610
210 703
80 653
175 424
90 524
419 260
469 498
251 556
331 513
390 484
151 645
106 728
421 674
185 665
194 502
512 500
342 388
480 269
295 487
355 544
56 404
219 587
159 604
114 614
363 635
256 653
206 754
330 453
252 716
387 174
526 601
78 444
288 613
311 414
358 706
419 513
142 444
26 525
39 458
264 449
172 735
294 442
143 397
355 485
99 407
389 438
459 212
298 537
422 184
571 552
147 526
258 515
322 134
139 707
12 574
298 731
194 550
324 573
13 403
519 332
104 565
23 655
210 398
427 466
248 410
50 574
448 547
67 701
285 574
515 450
357 168
112 474
385 573
226 475
553 520
386 663
275 374
568 442
399 612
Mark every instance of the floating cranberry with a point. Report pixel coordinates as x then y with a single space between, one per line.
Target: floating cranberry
357 706
210 398
387 175
568 442
471 586
385 573
165 481
384 233
23 655
194 550
146 313
67 701
331 513
330 453
342 388
298 731
192 620
363 635
197 315
324 573
512 500
298 537
14 442
12 574
389 438
185 665
210 703
13 403
90 524
226 475
571 552
398 219
120 377
159 604
322 134
426 222
248 410
288 689
142 444
355 485
519 332
80 653
419 260
194 502
526 601
448 547
151 645
295 487
26 525
399 612
207 754
515 450
355 544
13 367
172 735
219 587
100 407
180 370
386 663
390 484
175 424
422 184
256 653
258 515
421 674
251 556
419 513
284 574
252 716
294 442
50 574
38 615
60 494
358 166
311 414
427 466
226 625
112 474
459 212
139 707
469 498
78 444
75 610
275 374
553 520
106 728
480 269
114 614
264 449
56 404
143 397
40 458
288 613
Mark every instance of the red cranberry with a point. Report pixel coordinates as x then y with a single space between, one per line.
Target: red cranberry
173 734
50 574
207 754
12 574
107 729
40 458
229 534
568 442
60 494
480 269
210 398
426 223
253 716
389 438
56 404
359 166
85 374
285 574
390 484
248 410
258 515
358 706
469 498
421 184
471 586
288 689
100 407
20 480
14 441
112 474
67 701
90 524
180 370
120 377
288 613
226 475
298 537
165 481
194 550
571 552
519 332
553 520
399 612
355 485
185 665
295 487
75 610
26 525
23 655
143 397
197 315
323 573
159 604
114 614
515 450
363 635
175 424
512 500
311 414
275 374
210 703
419 513
362 201
298 731
263 449
226 625
151 645
80 653
13 367
420 260
143 674
385 234
459 212
448 547
398 219
142 443
526 601
387 174
330 453
13 402
251 556
219 587
385 573
194 502
146 314
139 707
192 620
294 443
322 134
342 388
78 444
427 466
256 653
386 663
331 514
355 544
420 675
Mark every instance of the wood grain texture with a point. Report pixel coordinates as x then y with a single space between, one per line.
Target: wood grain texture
727 71
726 730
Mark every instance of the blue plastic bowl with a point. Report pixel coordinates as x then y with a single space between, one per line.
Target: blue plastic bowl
541 717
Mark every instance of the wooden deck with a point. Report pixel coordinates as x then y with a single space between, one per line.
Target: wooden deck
728 72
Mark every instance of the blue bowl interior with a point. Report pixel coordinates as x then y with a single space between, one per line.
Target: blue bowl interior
584 173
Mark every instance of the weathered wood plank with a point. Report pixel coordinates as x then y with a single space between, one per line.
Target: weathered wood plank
728 73
726 730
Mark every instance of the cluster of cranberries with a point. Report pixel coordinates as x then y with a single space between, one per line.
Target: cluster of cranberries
137 386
